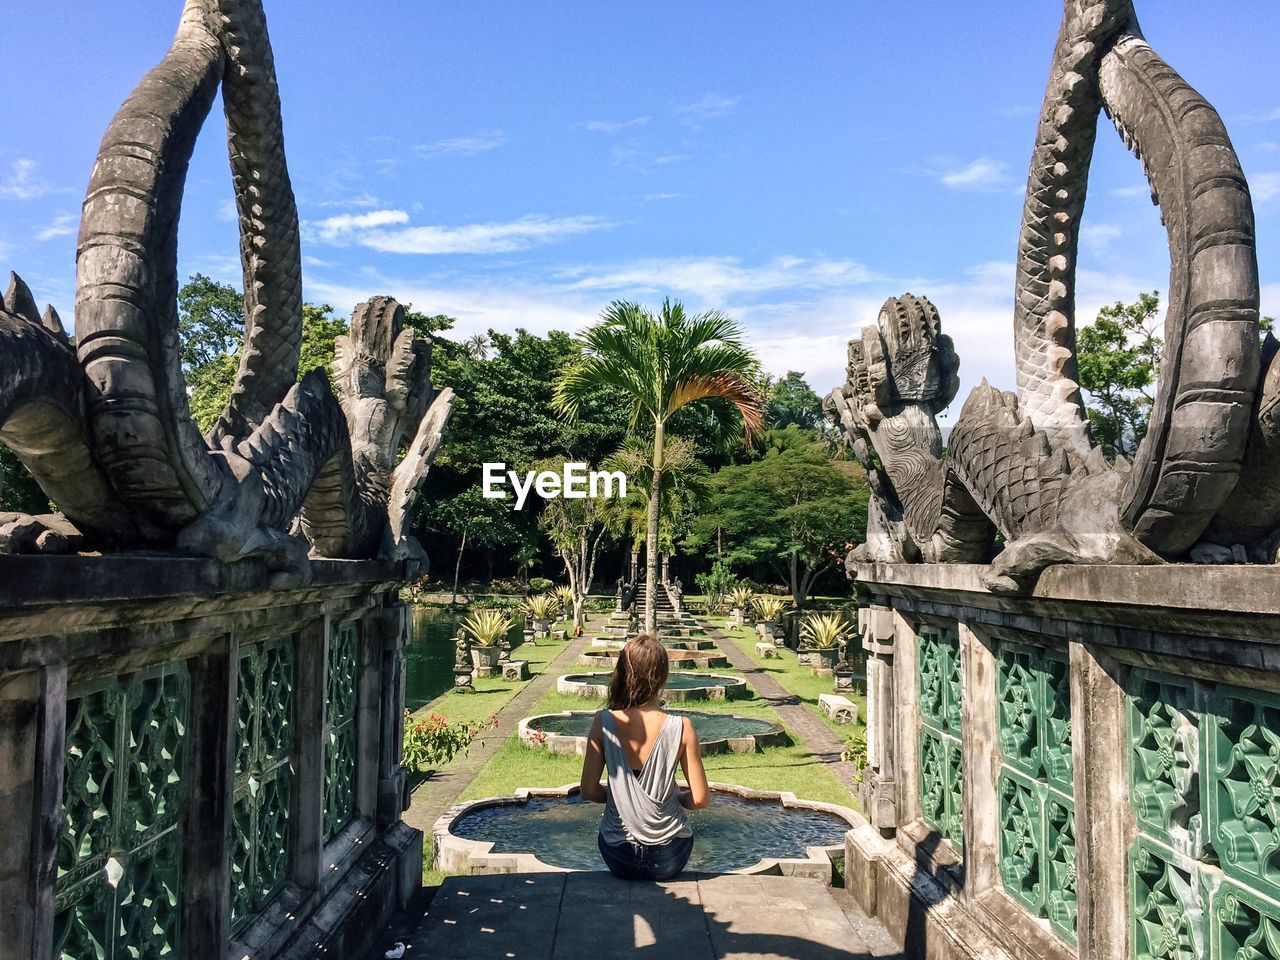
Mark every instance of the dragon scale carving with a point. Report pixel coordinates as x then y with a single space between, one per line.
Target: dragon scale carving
1203 482
105 428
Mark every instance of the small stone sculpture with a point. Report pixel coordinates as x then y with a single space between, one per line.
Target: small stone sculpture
462 667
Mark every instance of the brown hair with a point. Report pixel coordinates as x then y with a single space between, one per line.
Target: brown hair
640 674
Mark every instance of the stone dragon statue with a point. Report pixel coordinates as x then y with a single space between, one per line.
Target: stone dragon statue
1022 468
103 425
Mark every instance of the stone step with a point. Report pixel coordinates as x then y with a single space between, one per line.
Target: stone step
542 916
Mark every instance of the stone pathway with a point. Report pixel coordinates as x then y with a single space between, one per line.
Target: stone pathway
438 793
589 916
797 717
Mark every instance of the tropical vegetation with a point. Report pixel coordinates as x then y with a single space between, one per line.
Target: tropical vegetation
824 631
487 627
660 363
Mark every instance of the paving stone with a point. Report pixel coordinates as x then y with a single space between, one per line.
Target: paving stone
595 916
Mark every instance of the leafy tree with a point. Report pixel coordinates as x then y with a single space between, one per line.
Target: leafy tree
475 520
576 526
19 492
792 401
662 363
793 509
716 585
210 321
210 335
1119 359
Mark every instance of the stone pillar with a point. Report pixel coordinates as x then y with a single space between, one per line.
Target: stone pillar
879 784
393 625
1099 751
981 764
308 815
369 715
33 717
206 861
635 566
904 738
666 568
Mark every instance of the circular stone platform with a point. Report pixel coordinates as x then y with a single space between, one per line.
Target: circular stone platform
566 732
680 686
679 659
743 831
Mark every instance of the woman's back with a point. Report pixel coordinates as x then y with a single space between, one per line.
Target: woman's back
641 751
644 833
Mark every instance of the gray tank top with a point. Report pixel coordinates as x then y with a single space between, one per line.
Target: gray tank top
645 807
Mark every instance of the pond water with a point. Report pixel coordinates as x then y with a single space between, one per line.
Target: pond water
428 669
709 726
730 834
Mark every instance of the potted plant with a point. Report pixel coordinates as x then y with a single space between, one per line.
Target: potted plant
542 610
822 639
768 614
486 628
739 601
564 597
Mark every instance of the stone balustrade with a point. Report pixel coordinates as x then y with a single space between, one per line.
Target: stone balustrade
1090 771
199 762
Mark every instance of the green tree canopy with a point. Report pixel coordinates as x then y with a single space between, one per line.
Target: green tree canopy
211 333
793 402
1119 359
793 509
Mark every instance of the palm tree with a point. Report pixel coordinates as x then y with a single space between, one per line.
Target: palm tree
477 346
662 363
685 483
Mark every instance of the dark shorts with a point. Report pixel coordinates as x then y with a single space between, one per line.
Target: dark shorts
639 861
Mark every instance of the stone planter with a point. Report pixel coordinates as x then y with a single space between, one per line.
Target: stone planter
485 658
820 658
541 628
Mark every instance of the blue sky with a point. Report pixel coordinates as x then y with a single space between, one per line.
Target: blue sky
522 163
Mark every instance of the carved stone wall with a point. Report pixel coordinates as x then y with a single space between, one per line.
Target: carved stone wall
195 764
1118 782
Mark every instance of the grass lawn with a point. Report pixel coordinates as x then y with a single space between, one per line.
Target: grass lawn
797 680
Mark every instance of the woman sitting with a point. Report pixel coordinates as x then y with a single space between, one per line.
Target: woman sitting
644 832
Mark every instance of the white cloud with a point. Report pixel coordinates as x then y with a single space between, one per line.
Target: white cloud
464 146
711 105
614 126
630 157
1265 186
227 210
476 306
369 230
336 228
799 313
1136 190
1098 237
982 174
63 225
714 279
361 200
21 182
652 197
